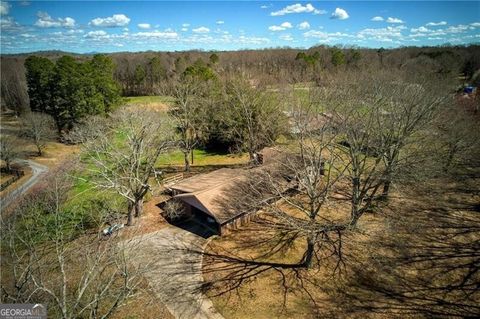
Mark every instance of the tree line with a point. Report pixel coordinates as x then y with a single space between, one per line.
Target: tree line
148 73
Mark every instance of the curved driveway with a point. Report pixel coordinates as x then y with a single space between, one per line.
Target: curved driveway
176 273
37 171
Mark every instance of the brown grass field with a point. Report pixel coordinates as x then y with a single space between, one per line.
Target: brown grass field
416 256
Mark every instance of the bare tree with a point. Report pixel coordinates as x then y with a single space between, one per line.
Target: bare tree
256 118
39 128
174 209
404 111
300 178
316 167
123 158
186 112
10 148
41 259
458 137
380 120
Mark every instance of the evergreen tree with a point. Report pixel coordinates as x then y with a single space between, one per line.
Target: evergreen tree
39 76
338 57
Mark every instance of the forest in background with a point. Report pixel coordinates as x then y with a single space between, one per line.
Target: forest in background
151 73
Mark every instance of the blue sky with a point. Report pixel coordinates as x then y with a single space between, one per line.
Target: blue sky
110 26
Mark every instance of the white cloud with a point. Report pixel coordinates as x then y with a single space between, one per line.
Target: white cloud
220 22
421 29
144 25
184 29
117 20
304 25
71 32
475 24
201 30
157 34
9 23
275 28
4 8
286 37
46 21
297 8
264 7
434 24
340 14
186 25
394 20
281 27
252 40
96 34
325 35
382 34
377 18
458 28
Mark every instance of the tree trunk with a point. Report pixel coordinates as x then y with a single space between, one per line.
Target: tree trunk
8 165
451 155
39 150
355 201
138 207
187 162
131 208
386 189
191 157
308 256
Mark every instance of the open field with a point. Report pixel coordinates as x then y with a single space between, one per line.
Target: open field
157 103
203 158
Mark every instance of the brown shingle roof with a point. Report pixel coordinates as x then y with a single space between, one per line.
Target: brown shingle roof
210 200
206 181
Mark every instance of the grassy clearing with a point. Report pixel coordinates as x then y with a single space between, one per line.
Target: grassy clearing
203 158
155 103
148 99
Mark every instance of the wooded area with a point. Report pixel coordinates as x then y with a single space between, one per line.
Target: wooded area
150 73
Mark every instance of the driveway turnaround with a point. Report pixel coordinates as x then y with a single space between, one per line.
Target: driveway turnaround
37 171
176 271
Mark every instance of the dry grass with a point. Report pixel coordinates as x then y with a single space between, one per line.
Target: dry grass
54 153
417 256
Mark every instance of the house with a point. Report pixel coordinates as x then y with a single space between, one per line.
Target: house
203 196
215 199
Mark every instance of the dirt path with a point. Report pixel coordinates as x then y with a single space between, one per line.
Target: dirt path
37 171
176 276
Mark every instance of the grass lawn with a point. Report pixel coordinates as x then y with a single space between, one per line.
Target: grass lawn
203 158
158 103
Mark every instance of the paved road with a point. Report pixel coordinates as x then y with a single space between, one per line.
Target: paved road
37 171
176 273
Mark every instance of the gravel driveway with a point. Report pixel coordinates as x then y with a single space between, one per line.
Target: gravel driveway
176 274
37 171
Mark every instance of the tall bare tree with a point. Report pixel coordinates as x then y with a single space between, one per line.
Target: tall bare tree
39 128
123 158
10 148
186 112
256 118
